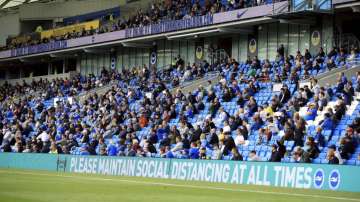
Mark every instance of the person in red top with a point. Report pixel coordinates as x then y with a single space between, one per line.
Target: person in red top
143 121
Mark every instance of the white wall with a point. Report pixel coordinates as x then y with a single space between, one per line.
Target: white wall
9 25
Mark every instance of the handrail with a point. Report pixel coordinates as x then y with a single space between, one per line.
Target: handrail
281 8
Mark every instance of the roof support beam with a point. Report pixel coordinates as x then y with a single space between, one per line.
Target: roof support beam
4 3
194 34
136 45
236 30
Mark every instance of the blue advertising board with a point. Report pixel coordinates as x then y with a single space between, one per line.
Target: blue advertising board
170 25
287 175
51 46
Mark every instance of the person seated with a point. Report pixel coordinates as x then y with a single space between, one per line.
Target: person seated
320 55
258 122
236 156
322 100
202 153
276 155
189 113
199 105
311 148
330 64
345 148
307 54
253 157
228 95
330 156
319 138
240 100
223 116
228 143
168 153
216 153
194 151
352 55
179 145
316 65
284 94
214 107
300 156
342 56
333 53
264 136
239 139
252 106
233 123
340 110
311 112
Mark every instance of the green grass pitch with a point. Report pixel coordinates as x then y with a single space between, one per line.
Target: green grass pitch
41 186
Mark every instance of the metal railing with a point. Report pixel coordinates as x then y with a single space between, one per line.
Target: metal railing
280 9
312 5
347 41
218 55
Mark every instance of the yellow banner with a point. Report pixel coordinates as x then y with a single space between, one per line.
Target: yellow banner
69 29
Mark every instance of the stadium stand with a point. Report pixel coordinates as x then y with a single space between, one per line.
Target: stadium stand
256 110
227 120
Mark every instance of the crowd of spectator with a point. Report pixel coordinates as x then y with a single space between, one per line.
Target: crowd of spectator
176 74
142 116
59 87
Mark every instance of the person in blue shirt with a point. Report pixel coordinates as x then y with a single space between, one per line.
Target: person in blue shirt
189 112
112 150
235 88
339 87
160 133
258 122
327 123
319 138
342 78
84 150
311 112
168 153
194 151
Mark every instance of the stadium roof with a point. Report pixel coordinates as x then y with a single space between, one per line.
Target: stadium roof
12 3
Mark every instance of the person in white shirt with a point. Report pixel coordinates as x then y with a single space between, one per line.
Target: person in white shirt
221 117
226 128
178 146
253 156
239 139
273 127
44 136
183 128
216 153
8 136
